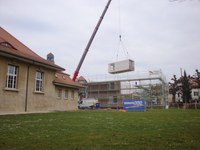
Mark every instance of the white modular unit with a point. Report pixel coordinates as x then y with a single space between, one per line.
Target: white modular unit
121 66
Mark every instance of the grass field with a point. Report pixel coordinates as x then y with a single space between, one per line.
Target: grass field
102 130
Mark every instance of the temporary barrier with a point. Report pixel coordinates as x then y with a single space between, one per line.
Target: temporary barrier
121 66
97 105
134 105
122 110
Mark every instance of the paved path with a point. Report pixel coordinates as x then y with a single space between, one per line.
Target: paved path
19 113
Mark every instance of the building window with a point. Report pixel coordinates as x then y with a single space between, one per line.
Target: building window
66 94
114 99
112 67
196 93
59 93
6 44
39 81
11 78
72 95
179 95
112 85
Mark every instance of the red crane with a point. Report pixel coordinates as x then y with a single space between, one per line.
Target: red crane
90 41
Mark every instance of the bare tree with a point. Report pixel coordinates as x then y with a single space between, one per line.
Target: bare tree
173 88
198 77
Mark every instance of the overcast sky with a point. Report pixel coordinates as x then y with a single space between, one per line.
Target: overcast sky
156 34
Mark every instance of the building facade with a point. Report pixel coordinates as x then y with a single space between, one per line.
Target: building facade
108 93
30 83
111 92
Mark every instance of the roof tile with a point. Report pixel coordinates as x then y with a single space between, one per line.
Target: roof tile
20 50
64 79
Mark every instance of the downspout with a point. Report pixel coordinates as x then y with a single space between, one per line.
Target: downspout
27 82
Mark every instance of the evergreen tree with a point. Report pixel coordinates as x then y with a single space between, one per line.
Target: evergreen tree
185 90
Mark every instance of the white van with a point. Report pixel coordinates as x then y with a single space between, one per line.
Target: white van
87 103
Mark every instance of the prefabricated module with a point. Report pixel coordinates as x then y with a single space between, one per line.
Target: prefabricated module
121 66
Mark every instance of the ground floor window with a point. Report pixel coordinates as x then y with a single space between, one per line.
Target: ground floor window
196 93
66 94
114 99
59 93
39 81
72 95
11 78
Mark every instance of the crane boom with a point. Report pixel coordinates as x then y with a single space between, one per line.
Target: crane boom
90 41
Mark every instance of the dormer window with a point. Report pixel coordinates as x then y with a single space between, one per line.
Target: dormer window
50 57
6 44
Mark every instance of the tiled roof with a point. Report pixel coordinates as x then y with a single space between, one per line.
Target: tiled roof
193 83
81 78
63 79
19 50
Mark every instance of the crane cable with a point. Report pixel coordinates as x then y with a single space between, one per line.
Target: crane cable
119 19
120 43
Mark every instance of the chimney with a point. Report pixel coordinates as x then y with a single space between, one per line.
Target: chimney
50 57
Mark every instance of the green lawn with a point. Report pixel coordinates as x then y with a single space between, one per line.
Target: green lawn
101 130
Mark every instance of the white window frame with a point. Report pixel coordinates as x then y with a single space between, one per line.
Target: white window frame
39 76
196 93
11 77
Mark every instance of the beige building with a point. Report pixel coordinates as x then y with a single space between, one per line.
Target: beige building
30 83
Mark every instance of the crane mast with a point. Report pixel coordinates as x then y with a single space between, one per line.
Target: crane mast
90 41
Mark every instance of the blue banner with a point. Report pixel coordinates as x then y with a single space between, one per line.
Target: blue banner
134 105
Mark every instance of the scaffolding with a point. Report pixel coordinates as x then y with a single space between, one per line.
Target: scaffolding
111 90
